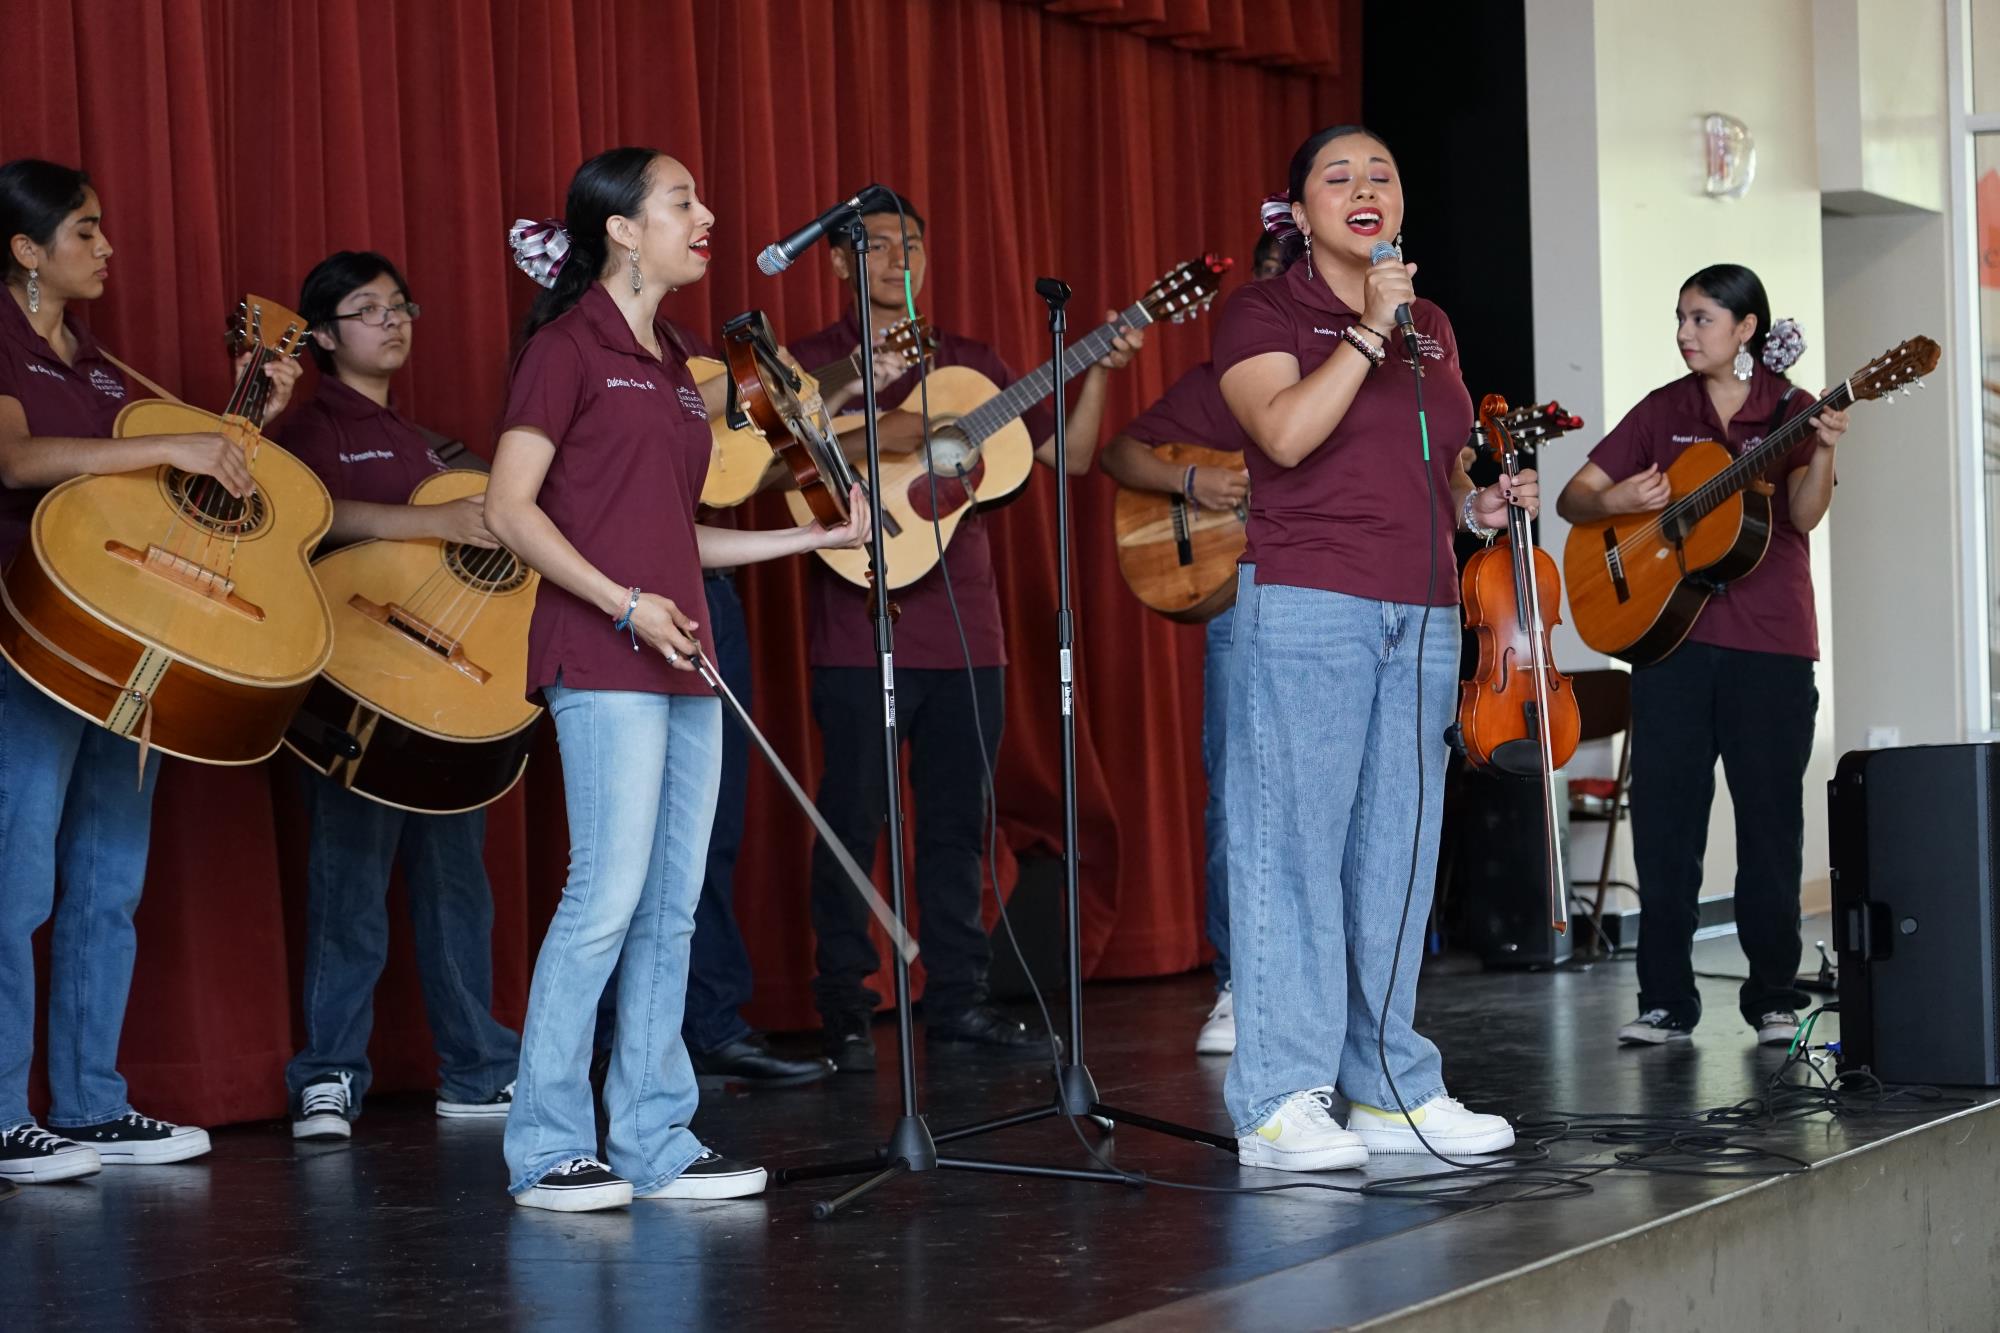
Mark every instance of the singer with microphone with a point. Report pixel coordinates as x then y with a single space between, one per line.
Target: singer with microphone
1343 674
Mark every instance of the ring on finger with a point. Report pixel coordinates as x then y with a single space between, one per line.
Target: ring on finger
672 656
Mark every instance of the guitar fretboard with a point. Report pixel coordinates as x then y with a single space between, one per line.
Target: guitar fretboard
1039 383
1753 464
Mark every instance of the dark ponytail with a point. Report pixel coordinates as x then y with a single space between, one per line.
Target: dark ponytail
612 184
35 197
1740 292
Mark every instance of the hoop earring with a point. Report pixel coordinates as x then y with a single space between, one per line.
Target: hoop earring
638 283
34 291
1309 254
1743 366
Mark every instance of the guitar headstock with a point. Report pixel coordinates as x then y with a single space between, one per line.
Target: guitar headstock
914 339
1536 424
1187 289
260 320
1897 368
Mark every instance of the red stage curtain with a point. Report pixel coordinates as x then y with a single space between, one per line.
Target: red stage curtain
234 144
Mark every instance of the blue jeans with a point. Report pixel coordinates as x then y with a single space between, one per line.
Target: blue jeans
355 844
720 982
1214 752
639 775
1324 757
70 805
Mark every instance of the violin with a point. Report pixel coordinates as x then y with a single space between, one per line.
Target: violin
779 403
1518 714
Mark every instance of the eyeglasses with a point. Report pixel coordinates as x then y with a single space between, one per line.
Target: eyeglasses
375 316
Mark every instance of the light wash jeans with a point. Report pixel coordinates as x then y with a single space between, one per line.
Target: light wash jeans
640 773
1214 752
356 843
70 803
1324 755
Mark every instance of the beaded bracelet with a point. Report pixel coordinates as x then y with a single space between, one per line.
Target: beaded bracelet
1375 355
1473 525
1377 332
624 622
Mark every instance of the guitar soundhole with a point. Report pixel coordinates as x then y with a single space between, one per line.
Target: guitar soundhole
485 571
205 502
951 452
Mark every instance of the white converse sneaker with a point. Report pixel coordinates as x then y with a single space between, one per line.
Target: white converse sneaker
1218 1033
1302 1135
1777 1028
1449 1127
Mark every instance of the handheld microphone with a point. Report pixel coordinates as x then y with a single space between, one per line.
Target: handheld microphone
781 255
1383 250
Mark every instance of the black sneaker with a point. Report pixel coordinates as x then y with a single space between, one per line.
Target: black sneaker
324 1107
848 1043
580 1185
498 1104
137 1140
711 1176
1655 1027
986 1029
35 1156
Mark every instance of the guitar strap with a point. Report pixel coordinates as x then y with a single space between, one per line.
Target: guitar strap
130 373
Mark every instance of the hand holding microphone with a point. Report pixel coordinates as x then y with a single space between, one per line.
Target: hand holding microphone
1390 294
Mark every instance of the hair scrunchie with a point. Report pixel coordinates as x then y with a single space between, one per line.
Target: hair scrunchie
539 248
1276 215
1785 345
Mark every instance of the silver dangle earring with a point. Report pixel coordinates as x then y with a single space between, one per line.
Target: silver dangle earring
34 291
637 282
1309 254
1743 366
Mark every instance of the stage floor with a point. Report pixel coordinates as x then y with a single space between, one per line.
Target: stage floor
409 1223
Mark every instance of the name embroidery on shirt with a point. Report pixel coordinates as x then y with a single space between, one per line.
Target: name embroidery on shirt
106 383
617 382
369 455
40 369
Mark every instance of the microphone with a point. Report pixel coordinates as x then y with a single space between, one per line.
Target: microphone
781 255
1383 250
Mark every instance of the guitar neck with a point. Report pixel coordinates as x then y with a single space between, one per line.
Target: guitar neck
1756 463
837 376
1039 383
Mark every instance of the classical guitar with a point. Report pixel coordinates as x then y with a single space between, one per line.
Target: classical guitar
423 705
1180 559
162 607
743 463
1637 582
980 453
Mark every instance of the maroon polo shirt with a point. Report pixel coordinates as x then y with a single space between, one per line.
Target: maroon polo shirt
360 449
1770 609
1191 411
1355 515
62 401
840 633
632 450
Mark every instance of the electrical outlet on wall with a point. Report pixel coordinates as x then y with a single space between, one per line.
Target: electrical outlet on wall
1884 738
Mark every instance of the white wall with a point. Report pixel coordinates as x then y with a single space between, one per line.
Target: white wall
1621 152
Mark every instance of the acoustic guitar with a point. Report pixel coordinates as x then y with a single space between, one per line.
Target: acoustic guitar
423 705
162 607
980 454
742 463
1638 582
1180 559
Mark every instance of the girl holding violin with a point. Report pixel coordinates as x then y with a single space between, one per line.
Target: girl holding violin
1741 687
68 802
598 471
1342 677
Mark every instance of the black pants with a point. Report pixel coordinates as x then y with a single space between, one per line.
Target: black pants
1755 712
934 714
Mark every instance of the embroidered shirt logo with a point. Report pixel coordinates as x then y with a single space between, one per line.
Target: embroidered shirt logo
691 400
106 383
618 382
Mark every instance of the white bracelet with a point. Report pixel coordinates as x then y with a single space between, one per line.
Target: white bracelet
1472 525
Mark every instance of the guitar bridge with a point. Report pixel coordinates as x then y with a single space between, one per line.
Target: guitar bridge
423 634
1615 562
191 575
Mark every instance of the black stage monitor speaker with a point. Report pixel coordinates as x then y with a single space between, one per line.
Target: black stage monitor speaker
1915 863
1499 868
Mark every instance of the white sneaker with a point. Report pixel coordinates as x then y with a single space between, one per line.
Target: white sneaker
1302 1135
1449 1127
712 1176
323 1108
1218 1033
1780 1027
